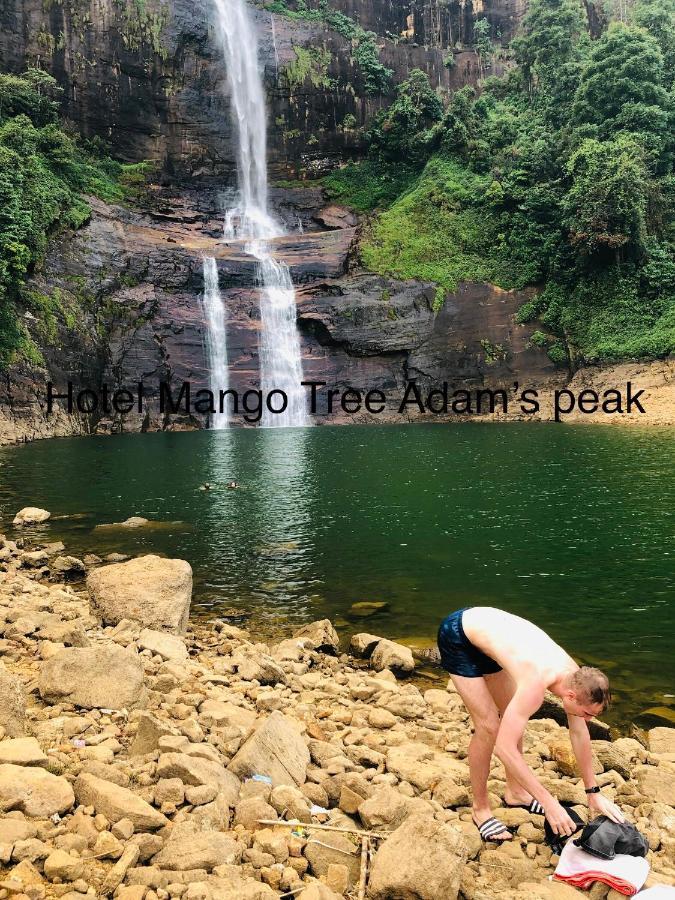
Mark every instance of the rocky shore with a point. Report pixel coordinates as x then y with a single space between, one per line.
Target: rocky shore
146 756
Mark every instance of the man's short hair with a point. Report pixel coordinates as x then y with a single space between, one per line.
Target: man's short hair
593 685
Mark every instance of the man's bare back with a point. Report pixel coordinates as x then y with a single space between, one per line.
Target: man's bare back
520 647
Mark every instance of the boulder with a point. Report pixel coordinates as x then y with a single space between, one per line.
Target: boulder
613 757
422 860
319 636
657 783
277 749
116 803
386 809
393 656
662 740
12 704
168 646
363 644
335 217
105 677
329 849
424 767
195 771
203 850
67 567
260 668
151 590
62 866
224 714
31 515
150 730
22 752
33 791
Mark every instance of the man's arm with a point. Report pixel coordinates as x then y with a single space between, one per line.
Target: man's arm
526 701
581 744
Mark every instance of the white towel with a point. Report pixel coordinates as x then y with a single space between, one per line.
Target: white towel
658 892
627 871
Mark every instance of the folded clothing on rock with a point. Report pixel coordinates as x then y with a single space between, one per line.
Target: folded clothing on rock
604 838
625 873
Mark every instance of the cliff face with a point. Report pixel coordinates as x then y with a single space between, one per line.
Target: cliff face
149 78
137 278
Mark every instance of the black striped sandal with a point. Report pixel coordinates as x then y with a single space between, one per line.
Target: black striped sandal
534 807
490 828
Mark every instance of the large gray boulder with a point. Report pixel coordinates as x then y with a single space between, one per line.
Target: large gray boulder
277 749
153 591
103 677
12 704
422 860
33 791
117 803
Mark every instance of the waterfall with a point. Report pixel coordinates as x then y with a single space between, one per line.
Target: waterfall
250 220
216 339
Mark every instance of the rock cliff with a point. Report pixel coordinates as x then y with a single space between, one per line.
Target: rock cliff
149 79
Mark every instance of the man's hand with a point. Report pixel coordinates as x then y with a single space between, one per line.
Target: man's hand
558 819
603 806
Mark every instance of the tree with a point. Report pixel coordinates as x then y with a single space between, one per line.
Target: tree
606 205
622 90
658 18
482 44
550 51
401 132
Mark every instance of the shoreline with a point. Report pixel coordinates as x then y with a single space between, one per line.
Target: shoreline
655 377
143 752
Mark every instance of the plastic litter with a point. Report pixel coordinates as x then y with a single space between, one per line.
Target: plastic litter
316 810
264 779
78 742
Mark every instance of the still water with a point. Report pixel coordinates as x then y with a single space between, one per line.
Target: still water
571 527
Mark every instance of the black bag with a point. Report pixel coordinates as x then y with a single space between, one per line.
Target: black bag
604 838
557 841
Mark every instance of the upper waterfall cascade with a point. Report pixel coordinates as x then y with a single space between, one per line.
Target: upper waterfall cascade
250 220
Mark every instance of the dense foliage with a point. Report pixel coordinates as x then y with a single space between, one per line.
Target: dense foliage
558 174
43 175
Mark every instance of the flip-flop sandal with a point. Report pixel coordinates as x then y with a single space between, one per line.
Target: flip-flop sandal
489 828
534 807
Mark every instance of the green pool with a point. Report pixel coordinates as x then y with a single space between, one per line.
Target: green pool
569 526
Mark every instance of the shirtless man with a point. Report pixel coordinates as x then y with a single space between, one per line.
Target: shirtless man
501 666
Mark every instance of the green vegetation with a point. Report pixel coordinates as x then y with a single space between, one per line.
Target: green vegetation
43 174
309 63
375 78
559 174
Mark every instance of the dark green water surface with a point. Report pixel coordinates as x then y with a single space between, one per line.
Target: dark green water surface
571 527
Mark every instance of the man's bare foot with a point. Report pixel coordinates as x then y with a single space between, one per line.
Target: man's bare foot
490 828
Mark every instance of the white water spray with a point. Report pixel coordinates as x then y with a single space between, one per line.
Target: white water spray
216 339
250 220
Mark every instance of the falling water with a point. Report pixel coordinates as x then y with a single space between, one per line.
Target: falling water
216 339
274 44
250 220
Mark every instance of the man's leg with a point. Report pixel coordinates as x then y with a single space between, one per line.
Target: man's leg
502 688
485 716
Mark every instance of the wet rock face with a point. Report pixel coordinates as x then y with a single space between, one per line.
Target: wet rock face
137 277
150 78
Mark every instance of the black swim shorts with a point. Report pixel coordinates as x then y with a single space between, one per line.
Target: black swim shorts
458 655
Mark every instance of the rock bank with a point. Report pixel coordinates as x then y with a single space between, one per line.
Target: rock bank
145 765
